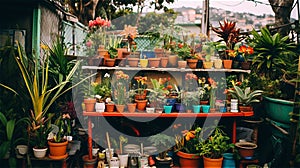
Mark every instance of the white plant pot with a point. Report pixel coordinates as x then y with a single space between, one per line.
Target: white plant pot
100 107
40 153
150 109
95 151
22 149
123 158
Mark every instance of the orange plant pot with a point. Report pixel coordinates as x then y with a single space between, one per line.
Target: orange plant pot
141 104
110 62
192 63
227 64
164 62
131 107
120 108
110 107
58 150
215 163
133 62
89 104
188 160
153 62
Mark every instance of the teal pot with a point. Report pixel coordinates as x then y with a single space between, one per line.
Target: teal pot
278 109
205 108
228 161
196 108
168 109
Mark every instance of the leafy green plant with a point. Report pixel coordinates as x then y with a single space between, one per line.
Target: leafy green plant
272 52
157 93
215 145
183 51
247 96
189 99
162 142
9 139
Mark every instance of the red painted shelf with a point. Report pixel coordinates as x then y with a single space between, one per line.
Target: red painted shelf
171 115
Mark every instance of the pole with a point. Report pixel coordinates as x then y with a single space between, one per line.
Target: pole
295 119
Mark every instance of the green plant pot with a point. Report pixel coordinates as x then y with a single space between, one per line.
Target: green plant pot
278 109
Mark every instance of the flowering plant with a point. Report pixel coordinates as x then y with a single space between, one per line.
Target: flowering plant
191 81
103 89
188 141
96 35
121 81
212 93
246 51
64 128
203 89
141 84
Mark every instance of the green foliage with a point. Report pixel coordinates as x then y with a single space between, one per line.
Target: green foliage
189 99
272 52
157 93
10 136
247 96
162 142
216 144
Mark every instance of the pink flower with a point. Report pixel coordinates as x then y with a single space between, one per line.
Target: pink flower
89 43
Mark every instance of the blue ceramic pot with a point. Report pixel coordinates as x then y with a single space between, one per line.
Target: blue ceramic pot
196 108
228 161
205 108
168 109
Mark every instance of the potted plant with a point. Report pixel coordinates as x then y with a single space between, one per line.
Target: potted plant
157 94
58 143
131 104
141 92
246 97
213 145
186 147
273 67
163 143
11 137
189 99
230 35
120 84
39 140
208 49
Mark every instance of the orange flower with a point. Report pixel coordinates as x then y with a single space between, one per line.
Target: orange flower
188 134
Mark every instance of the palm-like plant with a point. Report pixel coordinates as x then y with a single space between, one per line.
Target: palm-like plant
272 53
245 97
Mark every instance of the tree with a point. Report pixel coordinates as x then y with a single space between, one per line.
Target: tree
282 10
87 10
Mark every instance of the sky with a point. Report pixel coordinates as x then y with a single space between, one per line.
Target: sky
233 5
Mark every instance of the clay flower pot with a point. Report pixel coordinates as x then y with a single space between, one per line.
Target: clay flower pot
192 63
110 62
227 64
89 104
246 149
131 107
133 62
120 108
188 160
164 62
182 64
154 62
109 107
58 150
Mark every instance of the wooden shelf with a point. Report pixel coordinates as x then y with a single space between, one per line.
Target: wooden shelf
171 115
127 68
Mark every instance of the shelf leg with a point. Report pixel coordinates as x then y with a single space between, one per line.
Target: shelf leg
90 137
234 131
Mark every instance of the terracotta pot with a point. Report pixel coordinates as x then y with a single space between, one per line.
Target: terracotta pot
126 54
159 52
120 52
133 62
121 62
213 110
58 150
192 63
182 64
131 107
135 54
109 107
89 163
120 108
89 104
102 52
110 62
207 64
215 163
227 64
188 160
246 149
164 62
141 104
218 63
173 60
245 108
154 62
